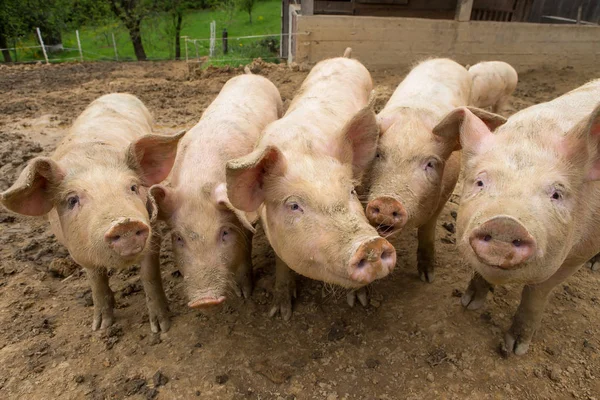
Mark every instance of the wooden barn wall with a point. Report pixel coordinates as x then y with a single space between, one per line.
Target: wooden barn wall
565 9
387 42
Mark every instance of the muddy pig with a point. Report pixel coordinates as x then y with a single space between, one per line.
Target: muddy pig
212 239
94 191
414 173
530 207
301 179
493 83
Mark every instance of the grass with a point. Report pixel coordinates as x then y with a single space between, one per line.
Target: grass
159 38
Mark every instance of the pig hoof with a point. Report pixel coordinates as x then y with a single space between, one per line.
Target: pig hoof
515 345
351 298
360 294
427 276
595 266
283 305
472 301
159 323
243 288
102 321
284 309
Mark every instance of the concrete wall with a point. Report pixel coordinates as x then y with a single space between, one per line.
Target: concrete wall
386 42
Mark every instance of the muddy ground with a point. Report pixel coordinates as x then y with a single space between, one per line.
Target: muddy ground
414 340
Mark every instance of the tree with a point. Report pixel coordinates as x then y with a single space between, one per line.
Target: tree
10 25
175 9
247 5
131 13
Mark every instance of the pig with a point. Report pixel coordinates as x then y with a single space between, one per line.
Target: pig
493 83
530 207
211 239
300 179
94 192
414 173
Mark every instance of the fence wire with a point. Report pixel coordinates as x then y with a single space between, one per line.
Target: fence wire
116 46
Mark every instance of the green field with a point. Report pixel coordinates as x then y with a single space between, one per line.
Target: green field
159 38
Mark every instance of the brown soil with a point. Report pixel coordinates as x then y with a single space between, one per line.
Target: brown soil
414 340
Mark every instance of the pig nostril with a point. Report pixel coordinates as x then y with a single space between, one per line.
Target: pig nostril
395 214
386 255
361 264
376 209
138 233
516 243
115 238
487 238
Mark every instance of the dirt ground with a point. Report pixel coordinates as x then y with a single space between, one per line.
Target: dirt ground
414 340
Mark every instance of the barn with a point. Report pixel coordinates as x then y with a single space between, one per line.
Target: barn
384 33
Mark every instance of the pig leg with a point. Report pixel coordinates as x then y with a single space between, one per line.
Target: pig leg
500 105
104 300
529 314
426 250
285 288
156 300
476 293
243 276
594 263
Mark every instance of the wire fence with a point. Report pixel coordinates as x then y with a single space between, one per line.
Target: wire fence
116 46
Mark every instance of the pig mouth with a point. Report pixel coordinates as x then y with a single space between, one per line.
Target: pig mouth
206 302
385 230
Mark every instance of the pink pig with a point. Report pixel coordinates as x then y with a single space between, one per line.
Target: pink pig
212 239
530 208
94 191
301 179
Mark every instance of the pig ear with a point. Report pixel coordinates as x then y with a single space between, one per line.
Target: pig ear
362 133
30 194
164 199
385 122
153 156
246 175
588 131
222 201
468 127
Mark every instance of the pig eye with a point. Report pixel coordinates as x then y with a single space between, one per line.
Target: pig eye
556 195
353 192
72 201
226 234
178 239
134 188
293 206
378 155
431 164
479 183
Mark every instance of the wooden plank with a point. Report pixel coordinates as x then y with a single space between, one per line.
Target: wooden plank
463 10
375 41
307 7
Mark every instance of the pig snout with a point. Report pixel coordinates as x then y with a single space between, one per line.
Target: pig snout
386 213
502 242
127 238
206 302
373 259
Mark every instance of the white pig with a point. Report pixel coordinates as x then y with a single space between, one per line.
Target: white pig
493 83
212 239
94 190
530 207
414 173
301 179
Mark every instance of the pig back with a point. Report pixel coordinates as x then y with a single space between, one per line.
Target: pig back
333 92
114 120
438 85
564 112
228 129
